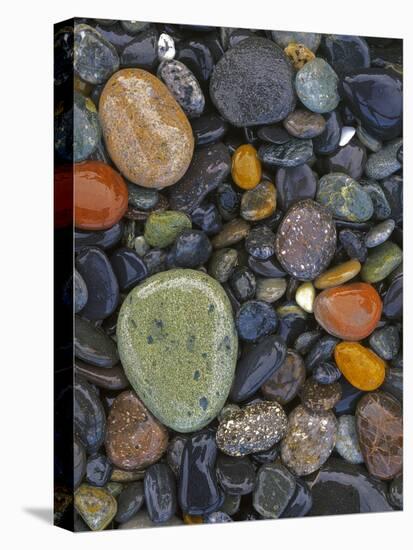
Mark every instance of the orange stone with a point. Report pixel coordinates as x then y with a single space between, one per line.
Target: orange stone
101 195
246 167
360 366
338 275
349 312
192 520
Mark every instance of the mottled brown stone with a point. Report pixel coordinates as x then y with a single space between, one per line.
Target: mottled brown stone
232 232
379 423
134 438
146 132
320 397
286 381
304 124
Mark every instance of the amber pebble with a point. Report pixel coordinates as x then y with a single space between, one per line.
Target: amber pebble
338 275
192 520
349 312
379 423
284 384
298 54
360 365
259 203
134 438
246 167
146 132
320 397
101 195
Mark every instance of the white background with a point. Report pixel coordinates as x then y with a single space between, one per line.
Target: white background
26 272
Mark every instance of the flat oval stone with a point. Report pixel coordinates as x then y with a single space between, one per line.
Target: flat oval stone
231 233
360 365
274 488
316 86
109 378
89 415
305 240
380 233
382 208
285 382
162 228
236 475
326 373
304 124
379 422
393 300
328 141
381 261
349 312
345 53
130 501
100 196
347 444
338 274
96 506
385 342
259 203
103 288
134 438
255 320
208 128
344 197
318 397
105 239
309 440
292 153
246 167
375 97
148 154
384 163
252 83
92 345
160 492
256 366
141 52
183 85
95 59
129 268
270 290
274 133
350 159
182 375
256 427
295 184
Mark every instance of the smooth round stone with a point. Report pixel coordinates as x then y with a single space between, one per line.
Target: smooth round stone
347 132
385 342
129 268
141 197
309 440
183 375
141 52
292 153
255 320
236 475
191 249
338 274
160 492
243 283
96 506
208 128
344 197
217 517
329 140
86 128
321 351
95 59
274 133
309 39
209 167
103 288
148 154
183 85
141 520
198 491
166 47
222 264
141 246
343 488
298 54
134 438
360 365
79 291
79 462
306 240
256 427
384 163
345 53
349 312
105 239
295 184
259 203
396 492
92 345
379 422
89 415
316 86
350 159
260 242
304 124
228 201
109 378
354 244
393 190
380 233
162 228
305 296
274 488
270 290
100 196
300 503
347 444
381 261
246 167
393 300
285 382
232 232
130 501
375 97
126 476
98 470
368 141
318 397
252 84
256 366
208 218
174 453
326 373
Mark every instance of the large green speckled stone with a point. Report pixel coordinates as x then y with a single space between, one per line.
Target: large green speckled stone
178 345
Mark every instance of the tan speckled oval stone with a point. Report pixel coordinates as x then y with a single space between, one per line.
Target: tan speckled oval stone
146 132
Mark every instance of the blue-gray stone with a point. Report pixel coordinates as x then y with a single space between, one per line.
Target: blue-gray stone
95 59
183 85
316 86
380 233
293 153
384 163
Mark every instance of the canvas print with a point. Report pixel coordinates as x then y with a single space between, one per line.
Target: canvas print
228 274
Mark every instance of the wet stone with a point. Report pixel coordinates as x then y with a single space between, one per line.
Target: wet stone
360 365
384 163
256 427
89 415
243 283
235 475
222 264
393 382
306 340
174 453
347 444
155 261
268 456
141 51
298 54
208 128
316 86
166 47
347 133
231 504
393 191
109 378
380 233
191 249
350 159
318 397
95 59
255 320
295 184
274 488
160 493
273 134
382 208
130 501
93 346
260 242
162 228
385 342
304 296
86 128
104 239
300 503
292 153
326 373
321 351
208 218
79 291
259 203
292 321
246 167
304 124
96 507
328 141
129 268
368 141
354 244
98 470
285 382
345 53
142 198
393 300
270 290
266 268
381 261
337 275
228 201
183 85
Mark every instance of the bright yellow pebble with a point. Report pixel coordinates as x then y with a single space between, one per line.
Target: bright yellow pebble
298 54
305 296
246 167
363 368
338 275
